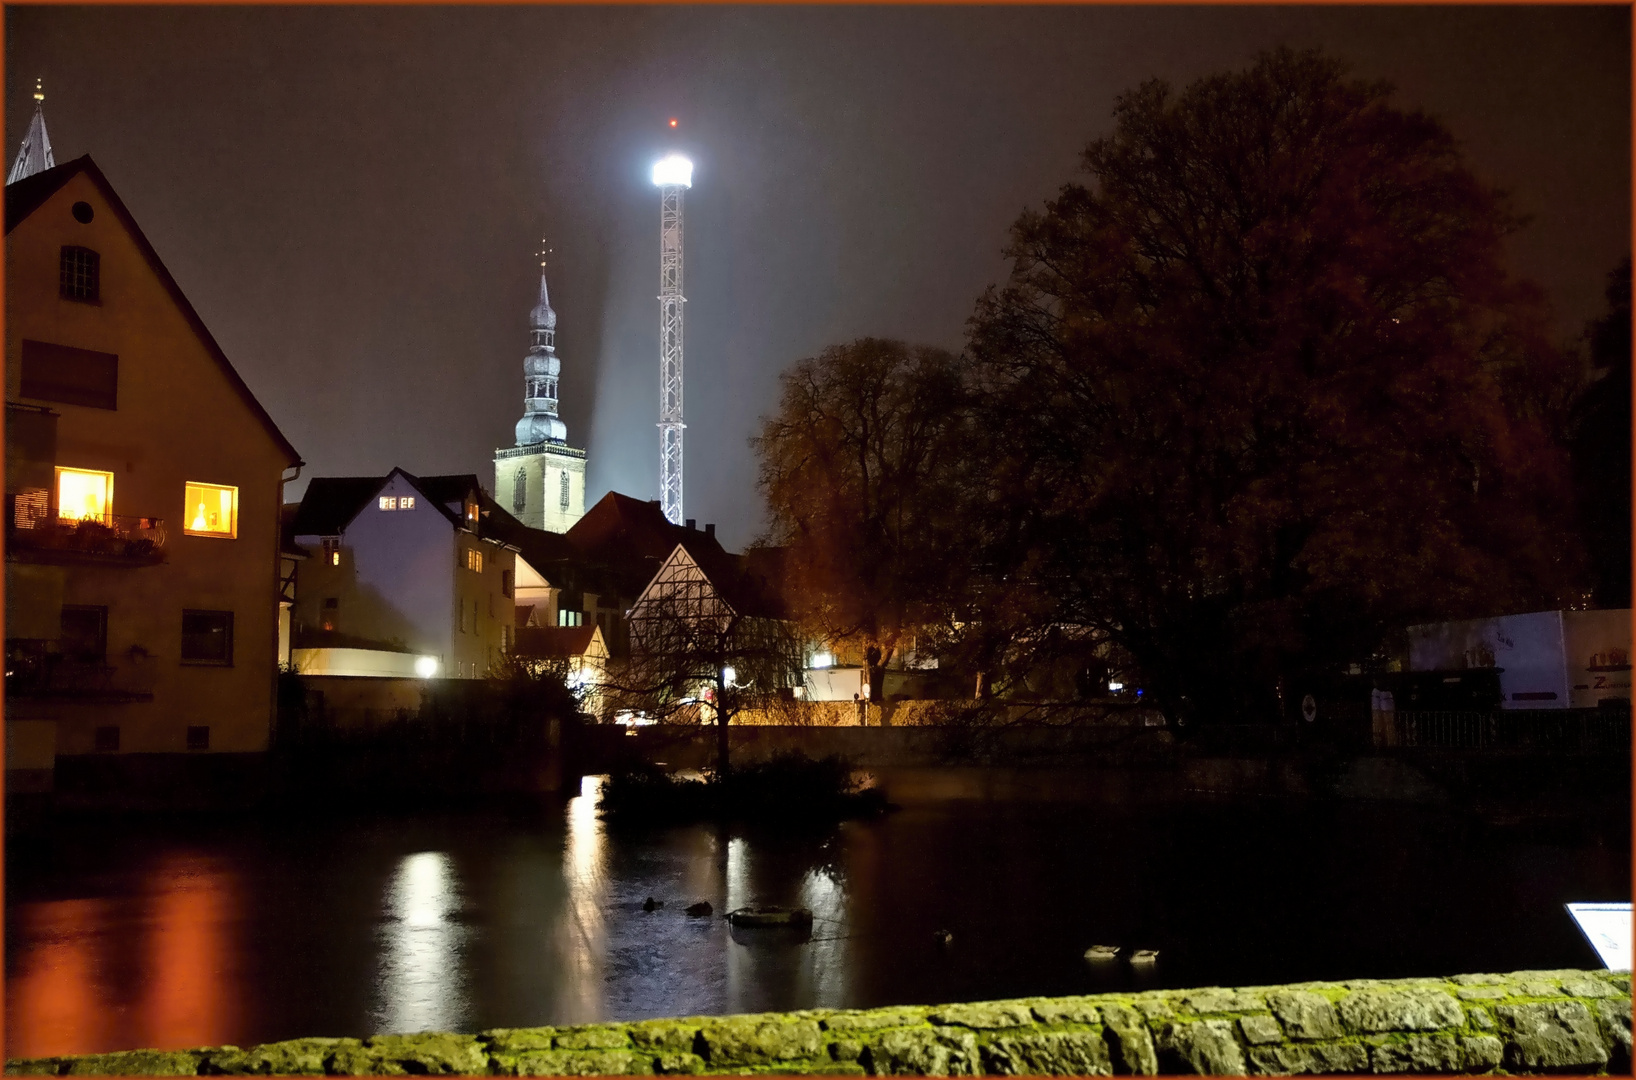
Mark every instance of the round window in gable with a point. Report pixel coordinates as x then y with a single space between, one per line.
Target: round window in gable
83 213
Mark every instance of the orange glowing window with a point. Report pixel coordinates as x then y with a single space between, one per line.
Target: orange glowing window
84 493
389 502
406 502
210 510
474 560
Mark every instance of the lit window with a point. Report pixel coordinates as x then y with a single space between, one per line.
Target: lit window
389 502
84 493
406 503
332 550
211 510
474 560
570 618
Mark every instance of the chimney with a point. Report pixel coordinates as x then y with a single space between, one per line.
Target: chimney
710 529
692 524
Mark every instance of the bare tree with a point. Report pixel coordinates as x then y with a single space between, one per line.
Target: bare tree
705 645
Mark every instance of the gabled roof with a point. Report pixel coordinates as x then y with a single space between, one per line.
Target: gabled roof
549 642
331 502
633 538
29 194
746 594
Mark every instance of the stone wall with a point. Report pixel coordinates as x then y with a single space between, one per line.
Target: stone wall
1524 1022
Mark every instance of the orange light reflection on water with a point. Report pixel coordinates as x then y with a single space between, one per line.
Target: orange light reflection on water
149 970
52 1006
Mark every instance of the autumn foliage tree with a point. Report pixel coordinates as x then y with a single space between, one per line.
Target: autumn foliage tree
1247 390
862 468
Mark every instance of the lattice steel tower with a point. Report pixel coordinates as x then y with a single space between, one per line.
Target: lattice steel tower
672 175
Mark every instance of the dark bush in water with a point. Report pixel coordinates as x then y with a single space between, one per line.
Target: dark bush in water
785 787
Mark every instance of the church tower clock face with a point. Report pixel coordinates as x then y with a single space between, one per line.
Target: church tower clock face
546 475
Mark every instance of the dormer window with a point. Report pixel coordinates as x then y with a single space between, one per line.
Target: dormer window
79 275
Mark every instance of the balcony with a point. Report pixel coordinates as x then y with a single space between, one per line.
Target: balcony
34 673
36 533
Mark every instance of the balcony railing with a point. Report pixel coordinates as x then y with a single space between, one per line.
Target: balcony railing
34 673
37 532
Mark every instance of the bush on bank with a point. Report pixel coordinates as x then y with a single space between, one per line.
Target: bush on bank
1524 1022
785 787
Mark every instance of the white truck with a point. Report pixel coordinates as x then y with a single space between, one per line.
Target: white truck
1547 659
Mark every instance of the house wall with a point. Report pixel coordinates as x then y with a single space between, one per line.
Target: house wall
179 418
490 614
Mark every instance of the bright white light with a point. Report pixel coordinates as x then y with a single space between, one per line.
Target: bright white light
1116 686
822 660
425 666
728 676
1607 928
674 169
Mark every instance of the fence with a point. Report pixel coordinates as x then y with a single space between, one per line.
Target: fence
1556 732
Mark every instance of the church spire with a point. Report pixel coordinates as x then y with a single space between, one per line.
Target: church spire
540 370
35 153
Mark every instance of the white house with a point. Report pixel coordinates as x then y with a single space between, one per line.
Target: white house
402 578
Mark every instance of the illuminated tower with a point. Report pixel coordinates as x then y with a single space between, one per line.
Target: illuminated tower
35 153
672 175
542 479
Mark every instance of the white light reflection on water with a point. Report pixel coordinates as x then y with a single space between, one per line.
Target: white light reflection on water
583 932
823 962
422 981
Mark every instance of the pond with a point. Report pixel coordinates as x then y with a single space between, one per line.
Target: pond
173 933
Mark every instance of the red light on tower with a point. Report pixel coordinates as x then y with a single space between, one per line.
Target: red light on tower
672 121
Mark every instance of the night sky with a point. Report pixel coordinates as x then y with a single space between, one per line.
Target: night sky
353 197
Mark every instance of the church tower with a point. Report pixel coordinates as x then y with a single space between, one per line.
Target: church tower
35 154
541 480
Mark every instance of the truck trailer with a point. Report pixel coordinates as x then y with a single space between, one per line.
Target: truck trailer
1544 659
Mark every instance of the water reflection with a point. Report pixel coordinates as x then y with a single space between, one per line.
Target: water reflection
422 981
154 967
180 934
582 931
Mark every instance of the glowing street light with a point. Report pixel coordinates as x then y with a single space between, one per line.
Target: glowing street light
674 169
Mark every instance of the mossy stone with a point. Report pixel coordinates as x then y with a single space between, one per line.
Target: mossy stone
1370 1011
923 1052
292 1057
431 1053
1552 1035
593 1037
984 1015
665 1036
1260 1029
1325 1058
46 1066
1438 1053
1201 1047
1586 987
874 1019
1130 1040
1306 1015
673 1063
1481 1053
517 1040
1052 1053
845 1050
1614 1017
580 1063
1072 1010
764 1039
1216 1000
137 1063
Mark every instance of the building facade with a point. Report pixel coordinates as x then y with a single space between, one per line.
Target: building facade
541 480
402 578
143 489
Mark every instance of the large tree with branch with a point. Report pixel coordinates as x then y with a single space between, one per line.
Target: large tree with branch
1249 389
863 466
